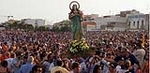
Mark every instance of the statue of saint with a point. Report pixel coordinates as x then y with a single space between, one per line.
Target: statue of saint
75 16
78 45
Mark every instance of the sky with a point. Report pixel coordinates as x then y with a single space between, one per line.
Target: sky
57 10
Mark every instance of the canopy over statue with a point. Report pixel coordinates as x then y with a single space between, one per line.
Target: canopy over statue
75 16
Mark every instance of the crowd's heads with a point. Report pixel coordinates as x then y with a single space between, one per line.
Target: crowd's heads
50 57
100 53
97 52
125 50
13 55
4 63
113 65
30 59
108 54
59 63
37 69
18 54
76 67
128 63
138 44
97 69
120 62
66 62
5 43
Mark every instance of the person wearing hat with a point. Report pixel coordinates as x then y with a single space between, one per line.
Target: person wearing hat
58 68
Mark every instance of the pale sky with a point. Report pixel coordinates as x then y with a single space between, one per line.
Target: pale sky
57 10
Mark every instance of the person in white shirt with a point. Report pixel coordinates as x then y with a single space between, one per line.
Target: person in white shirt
139 54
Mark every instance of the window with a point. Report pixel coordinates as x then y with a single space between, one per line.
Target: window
129 23
142 24
134 23
137 24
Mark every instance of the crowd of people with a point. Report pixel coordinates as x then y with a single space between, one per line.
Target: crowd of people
43 52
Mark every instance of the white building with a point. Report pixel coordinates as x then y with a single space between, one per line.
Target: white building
98 22
90 17
89 26
90 22
114 23
138 21
126 20
148 21
35 22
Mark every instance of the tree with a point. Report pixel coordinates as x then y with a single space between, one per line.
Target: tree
55 28
42 28
62 26
30 27
13 25
18 25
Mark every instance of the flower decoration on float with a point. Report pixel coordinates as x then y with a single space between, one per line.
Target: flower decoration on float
77 46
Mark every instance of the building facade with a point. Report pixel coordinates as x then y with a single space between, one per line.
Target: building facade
88 26
114 23
90 18
90 22
35 22
126 20
138 21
